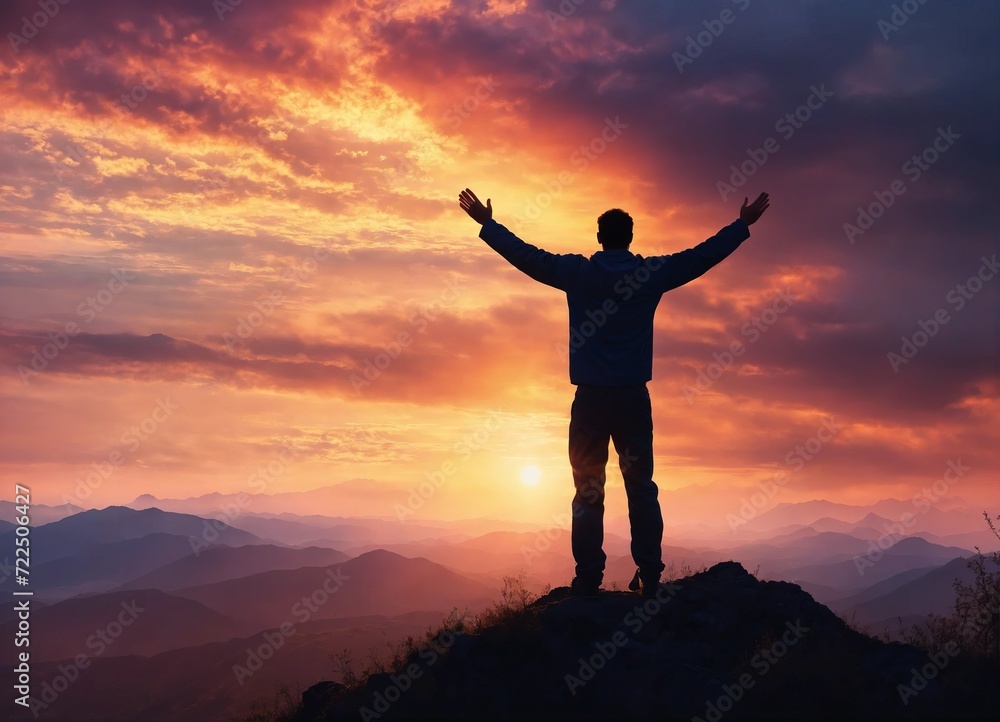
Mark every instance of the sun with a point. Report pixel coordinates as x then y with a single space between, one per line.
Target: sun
530 475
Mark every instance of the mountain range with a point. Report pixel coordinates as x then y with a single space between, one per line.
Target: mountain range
187 599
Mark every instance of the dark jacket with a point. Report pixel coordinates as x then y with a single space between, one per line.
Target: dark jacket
612 297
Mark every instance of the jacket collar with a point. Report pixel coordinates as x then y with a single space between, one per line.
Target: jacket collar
615 253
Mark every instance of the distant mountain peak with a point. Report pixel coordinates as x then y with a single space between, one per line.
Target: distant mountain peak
384 556
912 542
122 510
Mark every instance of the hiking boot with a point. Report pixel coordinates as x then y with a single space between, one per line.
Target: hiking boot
646 587
633 585
580 588
650 588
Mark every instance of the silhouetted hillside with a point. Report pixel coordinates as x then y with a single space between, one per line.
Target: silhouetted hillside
718 644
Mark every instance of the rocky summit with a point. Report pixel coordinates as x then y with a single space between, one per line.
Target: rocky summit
716 645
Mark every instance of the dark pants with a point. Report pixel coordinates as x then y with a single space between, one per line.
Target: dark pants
623 415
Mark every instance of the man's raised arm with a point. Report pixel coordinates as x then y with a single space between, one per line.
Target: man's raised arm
552 269
680 268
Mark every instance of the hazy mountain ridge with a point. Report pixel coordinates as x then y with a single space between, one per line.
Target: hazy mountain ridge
100 568
39 514
143 622
199 683
378 582
223 563
930 593
75 534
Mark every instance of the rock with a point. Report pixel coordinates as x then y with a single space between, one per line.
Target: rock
319 698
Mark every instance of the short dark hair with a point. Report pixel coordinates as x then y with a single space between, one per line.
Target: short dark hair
614 228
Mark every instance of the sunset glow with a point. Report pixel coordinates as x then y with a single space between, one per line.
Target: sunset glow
249 218
531 475
333 388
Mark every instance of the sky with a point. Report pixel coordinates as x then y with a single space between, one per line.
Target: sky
233 257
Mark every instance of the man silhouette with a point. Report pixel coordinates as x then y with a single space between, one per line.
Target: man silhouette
612 297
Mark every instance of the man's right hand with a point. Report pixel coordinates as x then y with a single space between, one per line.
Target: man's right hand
751 213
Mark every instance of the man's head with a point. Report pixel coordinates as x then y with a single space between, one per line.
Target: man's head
614 229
